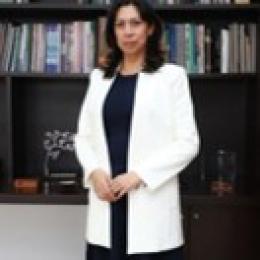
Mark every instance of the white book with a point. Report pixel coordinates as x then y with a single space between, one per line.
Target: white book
76 47
24 48
89 47
236 48
242 47
201 48
9 44
253 44
40 62
224 55
34 47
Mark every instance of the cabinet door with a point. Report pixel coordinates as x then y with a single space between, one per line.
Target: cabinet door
186 229
5 134
220 232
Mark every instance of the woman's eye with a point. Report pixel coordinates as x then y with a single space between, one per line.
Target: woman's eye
135 23
132 23
119 24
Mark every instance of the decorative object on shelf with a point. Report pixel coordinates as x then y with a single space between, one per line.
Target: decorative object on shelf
63 183
225 165
26 185
55 143
241 1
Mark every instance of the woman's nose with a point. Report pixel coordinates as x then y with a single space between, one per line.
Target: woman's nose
128 28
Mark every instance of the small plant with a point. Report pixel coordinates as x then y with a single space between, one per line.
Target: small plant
54 143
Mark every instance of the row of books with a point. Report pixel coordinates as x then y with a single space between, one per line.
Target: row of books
229 48
71 47
50 47
201 48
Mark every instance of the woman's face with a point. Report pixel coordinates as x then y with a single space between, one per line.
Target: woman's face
131 31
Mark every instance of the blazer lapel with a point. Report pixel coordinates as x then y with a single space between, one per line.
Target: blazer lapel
103 90
136 122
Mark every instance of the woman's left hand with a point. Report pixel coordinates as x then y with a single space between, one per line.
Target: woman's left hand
124 183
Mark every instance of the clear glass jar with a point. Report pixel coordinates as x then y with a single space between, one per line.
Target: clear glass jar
225 164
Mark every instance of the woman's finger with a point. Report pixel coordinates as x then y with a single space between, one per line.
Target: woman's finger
121 193
116 186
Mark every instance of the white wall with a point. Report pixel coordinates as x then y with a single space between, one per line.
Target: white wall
42 232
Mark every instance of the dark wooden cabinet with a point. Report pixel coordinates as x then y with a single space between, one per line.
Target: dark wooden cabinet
226 105
221 228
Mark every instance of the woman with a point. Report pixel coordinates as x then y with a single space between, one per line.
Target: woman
136 132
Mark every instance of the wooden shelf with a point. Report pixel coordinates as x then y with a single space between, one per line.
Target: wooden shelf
95 7
55 199
192 76
45 75
82 199
181 13
229 200
222 76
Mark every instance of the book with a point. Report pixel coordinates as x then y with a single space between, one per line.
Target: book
53 35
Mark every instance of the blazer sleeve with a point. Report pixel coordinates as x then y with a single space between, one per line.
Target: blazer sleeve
83 138
172 158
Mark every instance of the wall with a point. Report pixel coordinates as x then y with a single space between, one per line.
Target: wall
41 232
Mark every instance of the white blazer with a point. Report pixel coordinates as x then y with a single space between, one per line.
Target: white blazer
163 141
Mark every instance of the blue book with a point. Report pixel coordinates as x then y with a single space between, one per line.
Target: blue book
53 48
172 43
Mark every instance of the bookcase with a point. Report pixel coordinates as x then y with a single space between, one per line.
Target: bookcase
227 107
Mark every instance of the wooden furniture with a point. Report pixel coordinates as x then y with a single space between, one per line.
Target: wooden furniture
227 108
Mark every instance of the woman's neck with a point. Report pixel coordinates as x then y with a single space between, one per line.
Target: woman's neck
131 65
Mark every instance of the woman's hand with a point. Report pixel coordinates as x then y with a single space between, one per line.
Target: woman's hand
124 183
102 185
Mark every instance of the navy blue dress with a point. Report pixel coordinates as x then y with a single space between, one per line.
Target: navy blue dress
117 115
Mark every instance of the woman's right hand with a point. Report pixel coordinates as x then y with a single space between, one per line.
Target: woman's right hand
102 185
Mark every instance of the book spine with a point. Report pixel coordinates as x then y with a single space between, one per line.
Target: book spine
53 48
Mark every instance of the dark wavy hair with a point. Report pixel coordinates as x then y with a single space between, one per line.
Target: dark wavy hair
154 56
